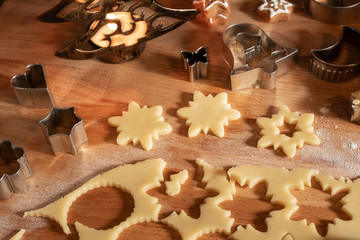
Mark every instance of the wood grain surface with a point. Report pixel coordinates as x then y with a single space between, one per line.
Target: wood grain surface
98 91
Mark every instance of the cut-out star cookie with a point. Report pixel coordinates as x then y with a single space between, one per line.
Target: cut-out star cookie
140 125
208 113
271 133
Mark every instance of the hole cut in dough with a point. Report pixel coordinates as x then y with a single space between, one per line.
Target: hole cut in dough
213 218
208 113
125 177
327 206
273 137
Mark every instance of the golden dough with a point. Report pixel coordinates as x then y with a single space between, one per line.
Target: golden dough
18 235
140 125
173 186
127 178
271 133
212 217
279 182
208 113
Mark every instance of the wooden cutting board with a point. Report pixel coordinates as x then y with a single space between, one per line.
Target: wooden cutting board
98 91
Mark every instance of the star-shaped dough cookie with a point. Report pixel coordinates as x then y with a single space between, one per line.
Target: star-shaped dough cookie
272 137
140 125
208 113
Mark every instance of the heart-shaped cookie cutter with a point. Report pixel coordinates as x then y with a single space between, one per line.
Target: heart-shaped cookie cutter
31 87
13 181
334 11
257 59
64 130
323 62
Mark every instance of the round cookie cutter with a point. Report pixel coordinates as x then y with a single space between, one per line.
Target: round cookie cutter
334 11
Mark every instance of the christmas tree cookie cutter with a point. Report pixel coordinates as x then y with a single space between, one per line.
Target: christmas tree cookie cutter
256 59
334 11
11 181
323 62
64 130
31 87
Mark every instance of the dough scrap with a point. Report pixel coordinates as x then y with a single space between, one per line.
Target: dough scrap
140 125
271 133
212 217
125 177
18 235
279 182
173 186
208 113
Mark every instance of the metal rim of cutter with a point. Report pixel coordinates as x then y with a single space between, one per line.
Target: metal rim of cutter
64 130
264 75
13 182
332 72
331 11
31 87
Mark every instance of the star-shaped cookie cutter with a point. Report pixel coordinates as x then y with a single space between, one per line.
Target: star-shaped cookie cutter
31 87
196 63
257 59
334 11
14 169
64 129
323 62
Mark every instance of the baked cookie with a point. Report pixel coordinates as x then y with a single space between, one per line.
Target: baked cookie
212 12
275 10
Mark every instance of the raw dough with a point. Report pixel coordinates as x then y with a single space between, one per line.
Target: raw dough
19 235
173 186
208 113
212 217
271 133
279 182
140 125
127 178
341 229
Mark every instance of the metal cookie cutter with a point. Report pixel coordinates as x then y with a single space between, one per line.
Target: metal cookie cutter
14 170
196 63
355 106
257 59
64 129
31 88
334 11
119 29
330 64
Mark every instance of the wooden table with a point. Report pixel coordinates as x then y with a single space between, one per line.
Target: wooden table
98 90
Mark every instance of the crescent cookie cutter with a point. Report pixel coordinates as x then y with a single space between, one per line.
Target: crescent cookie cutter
64 130
330 64
14 170
31 87
334 11
257 59
196 63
